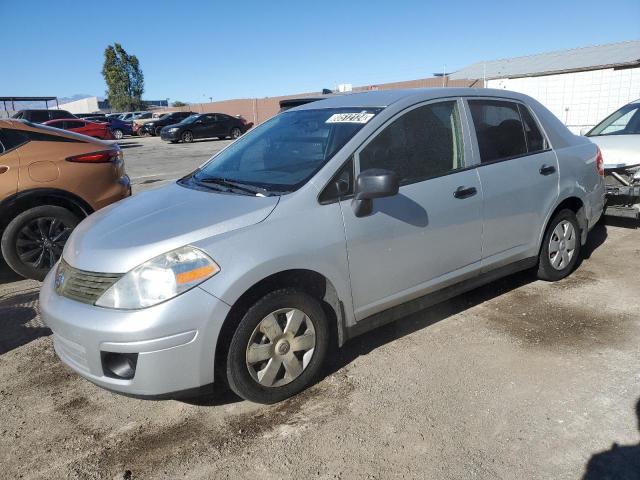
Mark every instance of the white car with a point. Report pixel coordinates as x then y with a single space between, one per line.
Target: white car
618 137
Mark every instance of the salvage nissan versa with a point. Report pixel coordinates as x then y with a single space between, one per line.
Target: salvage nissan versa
326 221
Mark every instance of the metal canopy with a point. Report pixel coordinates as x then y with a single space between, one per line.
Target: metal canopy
46 101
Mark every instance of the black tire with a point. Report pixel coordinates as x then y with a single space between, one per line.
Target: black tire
15 235
186 137
156 132
546 271
118 134
235 133
222 138
238 376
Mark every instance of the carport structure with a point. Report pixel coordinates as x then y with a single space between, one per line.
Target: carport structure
13 101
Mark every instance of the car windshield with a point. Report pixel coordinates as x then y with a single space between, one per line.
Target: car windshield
191 118
625 121
283 153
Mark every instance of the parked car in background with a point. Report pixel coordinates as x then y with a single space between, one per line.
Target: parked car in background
326 221
91 129
139 122
113 115
41 115
618 137
206 125
50 179
154 126
118 127
130 116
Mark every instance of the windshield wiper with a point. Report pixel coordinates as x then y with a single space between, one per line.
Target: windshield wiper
253 189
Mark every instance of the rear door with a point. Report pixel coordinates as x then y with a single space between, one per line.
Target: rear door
519 176
10 140
428 235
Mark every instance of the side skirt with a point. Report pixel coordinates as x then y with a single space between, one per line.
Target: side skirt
400 311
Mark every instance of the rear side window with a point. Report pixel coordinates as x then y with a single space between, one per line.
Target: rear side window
535 141
498 128
423 143
11 139
59 114
73 124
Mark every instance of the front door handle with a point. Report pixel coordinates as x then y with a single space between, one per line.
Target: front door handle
465 192
547 169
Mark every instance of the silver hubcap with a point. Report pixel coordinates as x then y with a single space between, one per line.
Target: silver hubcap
235 133
562 245
187 137
280 347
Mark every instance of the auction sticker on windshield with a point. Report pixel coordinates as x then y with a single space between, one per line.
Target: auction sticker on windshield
362 117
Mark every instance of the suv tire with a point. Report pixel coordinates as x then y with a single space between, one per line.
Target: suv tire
560 251
288 357
48 228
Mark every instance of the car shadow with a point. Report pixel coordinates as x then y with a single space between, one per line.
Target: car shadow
597 236
620 222
129 144
7 275
619 462
19 321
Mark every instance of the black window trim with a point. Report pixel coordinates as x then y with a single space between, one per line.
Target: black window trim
518 105
7 150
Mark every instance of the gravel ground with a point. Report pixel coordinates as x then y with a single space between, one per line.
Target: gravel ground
518 379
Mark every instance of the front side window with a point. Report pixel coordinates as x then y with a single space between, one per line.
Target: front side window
72 124
38 116
283 153
423 143
625 121
499 129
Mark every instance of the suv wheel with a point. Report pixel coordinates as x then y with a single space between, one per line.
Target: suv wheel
560 250
278 348
157 131
117 134
187 137
235 132
33 241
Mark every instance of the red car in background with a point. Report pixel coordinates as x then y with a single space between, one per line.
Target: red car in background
92 129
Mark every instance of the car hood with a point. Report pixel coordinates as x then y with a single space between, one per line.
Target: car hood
132 231
618 150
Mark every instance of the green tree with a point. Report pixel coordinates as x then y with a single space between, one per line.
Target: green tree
124 79
178 103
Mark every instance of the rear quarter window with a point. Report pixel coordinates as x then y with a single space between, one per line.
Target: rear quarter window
11 139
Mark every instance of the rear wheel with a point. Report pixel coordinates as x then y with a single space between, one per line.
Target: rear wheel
117 134
157 131
187 137
33 241
278 348
235 132
560 250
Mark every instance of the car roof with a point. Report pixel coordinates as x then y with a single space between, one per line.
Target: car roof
384 98
75 119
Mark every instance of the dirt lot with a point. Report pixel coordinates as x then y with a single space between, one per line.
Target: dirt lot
519 379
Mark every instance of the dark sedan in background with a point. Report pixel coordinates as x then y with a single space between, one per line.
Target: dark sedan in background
154 127
206 125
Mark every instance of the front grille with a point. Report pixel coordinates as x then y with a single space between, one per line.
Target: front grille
83 286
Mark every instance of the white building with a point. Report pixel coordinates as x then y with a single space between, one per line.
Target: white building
84 105
580 86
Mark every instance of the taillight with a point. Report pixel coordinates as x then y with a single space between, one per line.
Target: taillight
599 162
95 157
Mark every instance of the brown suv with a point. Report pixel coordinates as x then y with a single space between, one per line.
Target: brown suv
51 179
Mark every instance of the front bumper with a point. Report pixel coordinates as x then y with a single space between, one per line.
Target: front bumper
175 340
169 136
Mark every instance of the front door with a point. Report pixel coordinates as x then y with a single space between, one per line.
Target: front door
519 175
429 234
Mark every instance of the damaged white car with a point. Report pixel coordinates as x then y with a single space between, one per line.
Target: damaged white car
618 137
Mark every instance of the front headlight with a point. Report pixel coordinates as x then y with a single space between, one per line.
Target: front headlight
174 129
161 278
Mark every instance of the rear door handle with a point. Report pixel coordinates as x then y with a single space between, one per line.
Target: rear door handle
547 169
465 192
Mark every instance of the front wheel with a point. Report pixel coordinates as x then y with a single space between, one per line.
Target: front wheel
278 348
235 132
187 137
33 241
117 134
560 250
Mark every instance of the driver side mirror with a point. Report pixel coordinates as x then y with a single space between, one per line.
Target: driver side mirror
370 184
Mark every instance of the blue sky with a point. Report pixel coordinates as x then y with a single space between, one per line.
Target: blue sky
193 50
